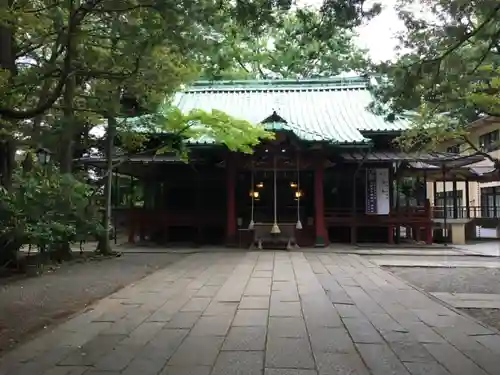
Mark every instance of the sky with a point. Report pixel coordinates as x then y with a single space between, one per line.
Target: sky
378 35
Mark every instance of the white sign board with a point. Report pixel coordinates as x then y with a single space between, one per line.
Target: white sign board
383 191
377 191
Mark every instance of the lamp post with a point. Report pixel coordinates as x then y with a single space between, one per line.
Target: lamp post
43 155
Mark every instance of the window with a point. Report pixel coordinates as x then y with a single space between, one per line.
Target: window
450 207
453 149
490 141
490 202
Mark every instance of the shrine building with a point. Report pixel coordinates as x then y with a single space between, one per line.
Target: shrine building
332 173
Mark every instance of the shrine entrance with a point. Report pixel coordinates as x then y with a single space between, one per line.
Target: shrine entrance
294 196
275 195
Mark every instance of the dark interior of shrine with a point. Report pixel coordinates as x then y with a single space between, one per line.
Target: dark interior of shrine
189 202
198 193
345 192
194 195
295 196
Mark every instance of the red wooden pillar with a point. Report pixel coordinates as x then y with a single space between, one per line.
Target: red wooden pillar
428 228
417 233
319 205
131 227
231 200
390 234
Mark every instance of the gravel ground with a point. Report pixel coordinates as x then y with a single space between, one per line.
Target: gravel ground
457 280
31 304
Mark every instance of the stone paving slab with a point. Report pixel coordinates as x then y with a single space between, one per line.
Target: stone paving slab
436 261
422 251
470 300
264 313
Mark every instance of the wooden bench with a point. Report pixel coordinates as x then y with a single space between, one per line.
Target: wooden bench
263 237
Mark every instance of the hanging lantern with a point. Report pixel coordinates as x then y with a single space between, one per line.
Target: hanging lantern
298 194
293 185
254 194
260 185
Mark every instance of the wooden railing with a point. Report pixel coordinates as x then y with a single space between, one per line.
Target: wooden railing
402 215
464 212
142 216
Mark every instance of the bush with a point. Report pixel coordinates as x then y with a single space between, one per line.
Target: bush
47 209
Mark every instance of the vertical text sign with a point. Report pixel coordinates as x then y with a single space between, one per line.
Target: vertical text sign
371 191
383 200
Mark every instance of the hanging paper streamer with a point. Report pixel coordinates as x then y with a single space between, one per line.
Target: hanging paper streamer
299 223
251 225
275 229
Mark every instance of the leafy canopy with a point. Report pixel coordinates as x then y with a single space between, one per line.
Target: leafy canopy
50 41
197 125
447 72
300 44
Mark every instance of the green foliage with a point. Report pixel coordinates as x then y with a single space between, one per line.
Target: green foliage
430 130
447 73
111 40
301 44
47 208
147 50
197 125
214 126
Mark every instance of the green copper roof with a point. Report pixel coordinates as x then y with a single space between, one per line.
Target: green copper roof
333 109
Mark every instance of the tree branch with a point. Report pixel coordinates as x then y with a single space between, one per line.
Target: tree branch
24 50
240 63
462 40
127 157
479 151
493 42
261 72
40 10
102 74
74 22
124 9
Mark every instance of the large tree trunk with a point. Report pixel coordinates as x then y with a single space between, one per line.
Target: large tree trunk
7 63
8 246
104 246
67 138
7 161
63 250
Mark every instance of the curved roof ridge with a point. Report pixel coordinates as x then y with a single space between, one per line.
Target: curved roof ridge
279 84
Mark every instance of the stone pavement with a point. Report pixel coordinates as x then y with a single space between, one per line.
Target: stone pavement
441 261
487 248
470 300
272 313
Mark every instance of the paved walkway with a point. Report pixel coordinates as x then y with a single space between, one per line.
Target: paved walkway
440 261
488 248
276 313
470 300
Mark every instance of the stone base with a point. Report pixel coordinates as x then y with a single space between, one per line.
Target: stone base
231 241
320 242
458 233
